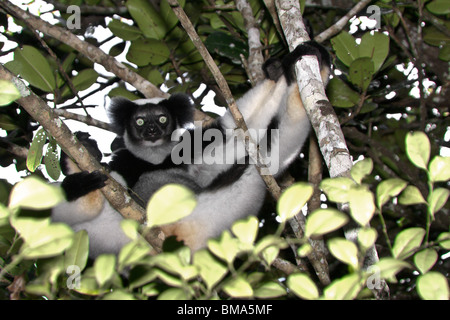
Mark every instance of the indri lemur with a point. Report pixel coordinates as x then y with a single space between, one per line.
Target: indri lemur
227 191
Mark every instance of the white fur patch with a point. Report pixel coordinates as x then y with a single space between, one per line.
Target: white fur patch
150 100
155 154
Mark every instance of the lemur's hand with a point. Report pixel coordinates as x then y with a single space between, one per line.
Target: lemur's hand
77 185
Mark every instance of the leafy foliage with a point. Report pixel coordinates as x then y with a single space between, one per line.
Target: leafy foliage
397 196
228 267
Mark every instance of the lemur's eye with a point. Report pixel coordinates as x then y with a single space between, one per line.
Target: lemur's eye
163 119
140 122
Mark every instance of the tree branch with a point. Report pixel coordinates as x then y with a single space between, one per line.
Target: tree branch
91 52
319 110
255 58
13 148
85 119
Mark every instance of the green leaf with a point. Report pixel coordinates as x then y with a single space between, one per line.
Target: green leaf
439 7
361 72
439 169
238 287
323 221
169 279
268 247
142 275
150 290
411 195
4 212
304 250
434 37
361 202
226 247
78 253
367 237
345 47
389 267
345 288
269 290
361 169
345 251
376 47
7 123
407 241
132 252
337 189
148 51
153 75
39 289
173 294
118 294
88 284
226 46
34 157
341 95
211 270
437 199
425 259
389 188
270 254
171 262
130 228
444 240
246 230
42 239
302 286
51 161
123 30
122 92
34 193
33 67
418 149
82 81
8 93
293 200
117 49
147 18
444 53
104 268
368 106
433 286
167 14
169 204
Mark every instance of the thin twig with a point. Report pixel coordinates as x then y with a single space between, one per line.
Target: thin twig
85 119
236 114
341 23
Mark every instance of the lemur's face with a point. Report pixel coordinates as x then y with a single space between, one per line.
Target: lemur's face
152 123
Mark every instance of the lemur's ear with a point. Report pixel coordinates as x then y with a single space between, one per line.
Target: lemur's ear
181 108
119 112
